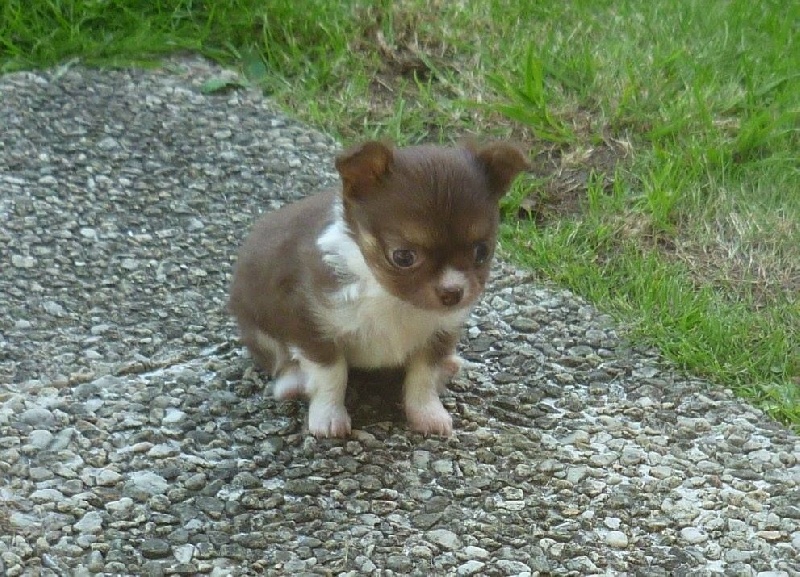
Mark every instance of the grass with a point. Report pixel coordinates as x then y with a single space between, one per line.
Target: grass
664 136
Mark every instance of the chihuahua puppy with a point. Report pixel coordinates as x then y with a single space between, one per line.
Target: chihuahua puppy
381 273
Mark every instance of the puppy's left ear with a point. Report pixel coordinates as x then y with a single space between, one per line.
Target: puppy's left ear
502 162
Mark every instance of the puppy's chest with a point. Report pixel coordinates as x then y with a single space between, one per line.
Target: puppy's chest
376 329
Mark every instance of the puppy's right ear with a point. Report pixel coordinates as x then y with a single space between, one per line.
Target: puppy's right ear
363 166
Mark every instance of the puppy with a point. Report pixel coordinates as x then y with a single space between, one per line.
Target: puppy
381 273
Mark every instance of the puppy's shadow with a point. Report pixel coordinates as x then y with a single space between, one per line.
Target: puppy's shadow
375 396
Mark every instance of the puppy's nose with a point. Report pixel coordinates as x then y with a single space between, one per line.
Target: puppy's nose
450 296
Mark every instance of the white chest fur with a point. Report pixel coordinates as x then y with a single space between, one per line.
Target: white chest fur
373 327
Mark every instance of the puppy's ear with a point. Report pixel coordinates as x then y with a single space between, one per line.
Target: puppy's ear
502 162
363 166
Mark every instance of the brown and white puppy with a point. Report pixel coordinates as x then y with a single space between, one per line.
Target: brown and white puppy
380 274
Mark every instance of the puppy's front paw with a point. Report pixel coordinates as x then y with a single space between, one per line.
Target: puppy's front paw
327 420
430 418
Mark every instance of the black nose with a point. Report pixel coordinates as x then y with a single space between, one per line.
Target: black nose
450 296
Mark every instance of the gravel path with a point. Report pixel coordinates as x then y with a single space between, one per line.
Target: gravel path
135 438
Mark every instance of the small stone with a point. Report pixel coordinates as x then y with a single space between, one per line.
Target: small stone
632 456
148 482
183 553
40 438
155 549
302 487
107 477
738 556
661 471
108 143
163 451
576 438
38 416
472 552
21 261
400 563
693 535
92 522
444 538
96 563
24 521
511 505
421 459
509 567
172 416
119 507
62 440
617 539
97 330
53 308
40 473
195 224
443 466
471 567
196 482
524 325
576 474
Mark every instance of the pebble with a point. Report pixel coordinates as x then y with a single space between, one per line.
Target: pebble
155 548
91 522
107 477
444 538
509 567
470 568
23 261
693 535
576 474
149 482
38 416
40 438
53 308
400 563
183 553
617 539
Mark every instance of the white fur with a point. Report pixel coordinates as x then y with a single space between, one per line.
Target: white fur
452 278
374 328
326 387
424 409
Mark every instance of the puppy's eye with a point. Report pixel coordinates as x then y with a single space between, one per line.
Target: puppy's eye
404 258
481 252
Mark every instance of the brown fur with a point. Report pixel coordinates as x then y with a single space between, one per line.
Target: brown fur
437 203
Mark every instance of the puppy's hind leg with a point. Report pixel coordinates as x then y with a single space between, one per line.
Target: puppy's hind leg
449 367
276 359
291 382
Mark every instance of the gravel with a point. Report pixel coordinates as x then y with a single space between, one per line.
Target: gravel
136 438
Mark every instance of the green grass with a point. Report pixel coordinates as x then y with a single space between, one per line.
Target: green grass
684 115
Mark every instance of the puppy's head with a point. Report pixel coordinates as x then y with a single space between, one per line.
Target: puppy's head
426 217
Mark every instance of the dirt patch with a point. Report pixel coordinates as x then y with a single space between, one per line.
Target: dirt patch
563 177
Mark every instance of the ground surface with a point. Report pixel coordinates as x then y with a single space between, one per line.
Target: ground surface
135 437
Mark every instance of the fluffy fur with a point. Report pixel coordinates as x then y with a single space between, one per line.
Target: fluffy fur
380 274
